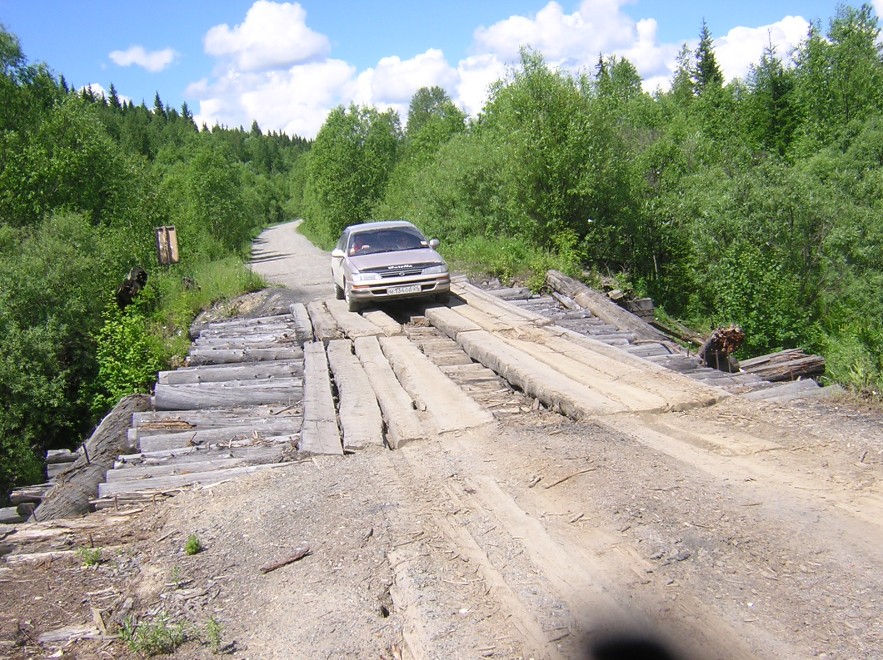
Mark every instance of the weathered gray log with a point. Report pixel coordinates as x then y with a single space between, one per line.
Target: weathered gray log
402 423
302 323
171 420
601 306
71 493
197 329
177 482
320 433
253 454
142 472
233 343
791 364
360 418
432 389
324 326
351 325
241 372
200 356
157 441
218 395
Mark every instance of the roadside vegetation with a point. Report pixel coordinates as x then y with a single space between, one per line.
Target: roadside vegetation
758 202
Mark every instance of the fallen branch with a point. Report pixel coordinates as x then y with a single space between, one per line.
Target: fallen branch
299 554
570 476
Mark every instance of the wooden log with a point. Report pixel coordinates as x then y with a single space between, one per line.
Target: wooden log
213 436
142 472
402 423
320 433
177 482
786 365
218 395
252 453
197 329
302 323
240 372
601 306
200 356
351 325
169 420
324 326
272 331
360 419
71 494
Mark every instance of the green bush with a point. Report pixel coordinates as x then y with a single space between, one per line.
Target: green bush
129 357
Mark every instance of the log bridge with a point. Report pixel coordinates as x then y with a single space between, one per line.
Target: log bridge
259 393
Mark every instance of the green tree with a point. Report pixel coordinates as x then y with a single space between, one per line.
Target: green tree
707 75
348 168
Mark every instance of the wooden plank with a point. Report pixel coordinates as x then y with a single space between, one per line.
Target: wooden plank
352 325
240 372
200 437
201 356
176 482
142 472
251 453
218 395
601 306
170 420
785 392
384 321
402 423
432 389
320 434
359 412
325 328
302 323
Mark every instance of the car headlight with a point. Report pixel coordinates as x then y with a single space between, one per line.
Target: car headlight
366 277
439 269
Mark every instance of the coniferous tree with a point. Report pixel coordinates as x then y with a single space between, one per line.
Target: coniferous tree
707 75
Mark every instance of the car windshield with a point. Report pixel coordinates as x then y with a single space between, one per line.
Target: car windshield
385 240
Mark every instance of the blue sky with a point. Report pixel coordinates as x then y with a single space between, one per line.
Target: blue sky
287 64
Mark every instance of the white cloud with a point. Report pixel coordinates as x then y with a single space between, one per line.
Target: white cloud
741 47
274 69
153 60
273 35
477 74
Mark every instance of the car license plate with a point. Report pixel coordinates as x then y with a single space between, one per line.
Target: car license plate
399 290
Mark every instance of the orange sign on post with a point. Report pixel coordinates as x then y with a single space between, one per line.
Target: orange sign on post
167 246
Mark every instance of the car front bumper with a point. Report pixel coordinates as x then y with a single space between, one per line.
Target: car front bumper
400 287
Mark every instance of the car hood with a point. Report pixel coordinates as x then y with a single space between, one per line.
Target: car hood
422 257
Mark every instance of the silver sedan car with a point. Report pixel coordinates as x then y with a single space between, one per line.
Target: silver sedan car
377 261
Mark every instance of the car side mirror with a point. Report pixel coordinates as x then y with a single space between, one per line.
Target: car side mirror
434 243
337 253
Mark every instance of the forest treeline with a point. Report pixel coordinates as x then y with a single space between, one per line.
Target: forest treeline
84 182
757 202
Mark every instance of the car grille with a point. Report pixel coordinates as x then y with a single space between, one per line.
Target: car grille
413 269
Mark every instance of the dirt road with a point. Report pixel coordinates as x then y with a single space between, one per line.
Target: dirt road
733 529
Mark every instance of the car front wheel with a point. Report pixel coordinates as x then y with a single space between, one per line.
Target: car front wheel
351 304
338 292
